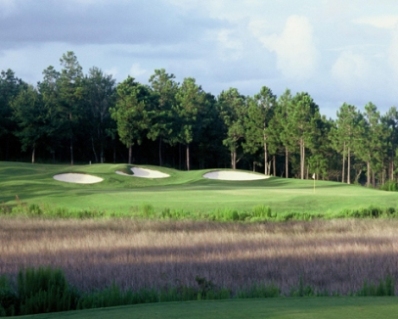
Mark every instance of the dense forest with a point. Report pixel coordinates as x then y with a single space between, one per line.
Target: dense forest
80 118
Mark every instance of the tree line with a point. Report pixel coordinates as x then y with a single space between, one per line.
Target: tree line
76 117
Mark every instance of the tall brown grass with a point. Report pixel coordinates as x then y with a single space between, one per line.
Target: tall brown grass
335 256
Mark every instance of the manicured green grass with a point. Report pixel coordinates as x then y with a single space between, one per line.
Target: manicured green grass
184 191
292 308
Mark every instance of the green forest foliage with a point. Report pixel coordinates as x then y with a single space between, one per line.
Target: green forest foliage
72 117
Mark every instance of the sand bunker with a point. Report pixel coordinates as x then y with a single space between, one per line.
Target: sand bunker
145 173
78 178
148 173
234 176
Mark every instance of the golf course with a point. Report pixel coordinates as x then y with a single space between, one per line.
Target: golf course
182 191
154 242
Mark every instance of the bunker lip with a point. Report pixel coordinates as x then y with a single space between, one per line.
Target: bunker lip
144 173
227 175
78 178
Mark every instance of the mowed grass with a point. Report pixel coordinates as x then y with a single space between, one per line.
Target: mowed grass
292 308
185 191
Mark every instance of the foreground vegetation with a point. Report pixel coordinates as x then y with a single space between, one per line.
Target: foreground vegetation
106 263
329 256
46 290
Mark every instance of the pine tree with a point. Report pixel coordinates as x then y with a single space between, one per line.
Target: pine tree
232 106
131 113
302 125
164 90
259 113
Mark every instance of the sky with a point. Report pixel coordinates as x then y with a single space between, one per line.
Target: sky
336 50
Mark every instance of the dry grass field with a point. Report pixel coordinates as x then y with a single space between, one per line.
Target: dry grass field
334 256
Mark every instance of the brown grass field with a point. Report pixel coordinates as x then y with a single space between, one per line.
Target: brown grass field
335 256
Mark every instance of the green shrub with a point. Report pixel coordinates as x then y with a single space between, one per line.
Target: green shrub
259 291
262 212
44 290
5 209
147 211
302 290
8 298
384 288
108 297
85 214
390 186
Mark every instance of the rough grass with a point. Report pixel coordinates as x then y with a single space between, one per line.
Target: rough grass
334 256
186 193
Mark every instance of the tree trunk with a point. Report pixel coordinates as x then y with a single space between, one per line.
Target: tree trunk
33 153
392 170
265 157
287 162
187 157
302 159
102 153
383 176
349 166
358 175
343 170
274 165
233 159
71 152
130 153
367 173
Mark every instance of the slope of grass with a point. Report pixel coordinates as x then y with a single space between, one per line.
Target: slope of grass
292 308
183 191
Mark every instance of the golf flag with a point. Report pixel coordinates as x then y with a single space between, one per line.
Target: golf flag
313 176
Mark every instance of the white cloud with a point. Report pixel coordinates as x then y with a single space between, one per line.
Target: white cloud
137 71
393 52
112 71
230 47
381 22
297 56
351 70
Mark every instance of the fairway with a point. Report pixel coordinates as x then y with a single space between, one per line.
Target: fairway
292 308
184 191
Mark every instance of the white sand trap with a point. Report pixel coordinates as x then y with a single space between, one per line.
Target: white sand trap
78 178
144 173
148 173
234 176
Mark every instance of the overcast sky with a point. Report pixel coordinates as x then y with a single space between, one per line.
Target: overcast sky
336 50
